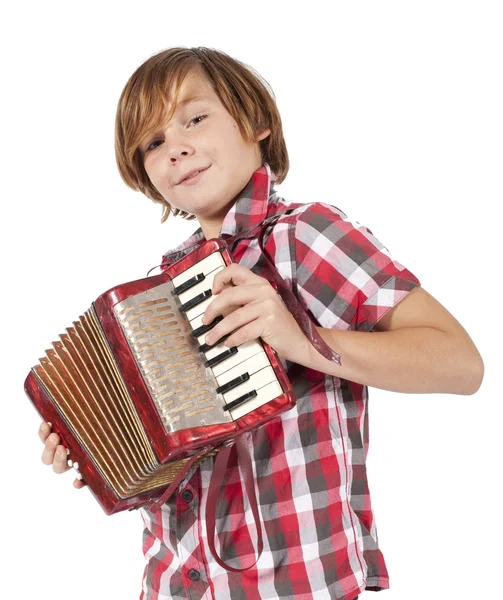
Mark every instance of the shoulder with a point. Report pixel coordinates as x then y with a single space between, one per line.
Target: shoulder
314 217
296 212
316 222
295 216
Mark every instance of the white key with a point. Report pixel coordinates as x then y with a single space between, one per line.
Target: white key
199 288
202 286
206 266
252 365
257 380
266 394
245 351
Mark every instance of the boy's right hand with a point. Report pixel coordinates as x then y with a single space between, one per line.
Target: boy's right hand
54 453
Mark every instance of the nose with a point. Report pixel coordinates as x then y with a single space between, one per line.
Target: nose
177 145
175 155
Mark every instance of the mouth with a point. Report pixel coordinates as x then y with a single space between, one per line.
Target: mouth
194 177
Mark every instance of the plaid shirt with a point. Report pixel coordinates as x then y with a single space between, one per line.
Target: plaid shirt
320 538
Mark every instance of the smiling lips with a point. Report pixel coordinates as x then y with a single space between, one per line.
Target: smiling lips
192 175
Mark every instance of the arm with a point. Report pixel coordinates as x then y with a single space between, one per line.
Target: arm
419 347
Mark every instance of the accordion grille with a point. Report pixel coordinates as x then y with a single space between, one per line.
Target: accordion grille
87 388
182 389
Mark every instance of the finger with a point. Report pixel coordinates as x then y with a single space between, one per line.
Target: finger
250 331
236 319
60 463
79 484
50 448
225 303
44 431
233 274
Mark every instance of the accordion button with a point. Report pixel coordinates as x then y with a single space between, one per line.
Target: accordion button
187 496
194 575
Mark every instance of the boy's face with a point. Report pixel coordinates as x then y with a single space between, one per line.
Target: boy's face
200 135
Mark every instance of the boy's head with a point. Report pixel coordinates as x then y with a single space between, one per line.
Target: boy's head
232 128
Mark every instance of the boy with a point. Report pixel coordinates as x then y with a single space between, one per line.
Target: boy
198 133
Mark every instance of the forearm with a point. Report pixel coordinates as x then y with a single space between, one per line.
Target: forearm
418 360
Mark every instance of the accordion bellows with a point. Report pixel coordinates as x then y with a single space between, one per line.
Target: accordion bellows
134 392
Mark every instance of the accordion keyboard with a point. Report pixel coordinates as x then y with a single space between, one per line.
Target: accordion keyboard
244 374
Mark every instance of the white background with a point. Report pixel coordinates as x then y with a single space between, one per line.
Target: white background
392 112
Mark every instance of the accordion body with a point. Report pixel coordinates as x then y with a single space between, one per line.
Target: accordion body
135 393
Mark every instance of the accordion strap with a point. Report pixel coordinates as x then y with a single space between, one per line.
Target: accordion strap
156 505
221 461
216 481
217 478
293 305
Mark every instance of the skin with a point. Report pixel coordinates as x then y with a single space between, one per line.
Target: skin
189 142
250 305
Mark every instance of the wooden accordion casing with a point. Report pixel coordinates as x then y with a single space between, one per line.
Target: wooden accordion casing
133 391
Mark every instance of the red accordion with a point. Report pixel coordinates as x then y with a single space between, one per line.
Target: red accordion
135 393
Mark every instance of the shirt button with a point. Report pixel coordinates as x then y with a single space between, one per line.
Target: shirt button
187 496
194 575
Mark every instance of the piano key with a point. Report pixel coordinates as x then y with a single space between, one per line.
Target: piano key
252 365
219 358
266 394
202 286
245 351
256 382
199 310
205 266
203 329
188 284
233 383
195 301
240 400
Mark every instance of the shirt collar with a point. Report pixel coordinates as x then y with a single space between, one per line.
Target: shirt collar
249 210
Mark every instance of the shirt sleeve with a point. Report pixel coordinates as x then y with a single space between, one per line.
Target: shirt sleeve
345 278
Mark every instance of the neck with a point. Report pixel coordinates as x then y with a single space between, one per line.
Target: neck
211 229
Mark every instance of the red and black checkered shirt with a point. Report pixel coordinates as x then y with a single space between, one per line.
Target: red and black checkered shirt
320 538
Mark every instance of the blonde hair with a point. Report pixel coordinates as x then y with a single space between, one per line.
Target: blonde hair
142 106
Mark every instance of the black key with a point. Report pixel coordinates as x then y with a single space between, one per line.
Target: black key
230 385
240 400
195 301
206 347
204 328
220 357
188 284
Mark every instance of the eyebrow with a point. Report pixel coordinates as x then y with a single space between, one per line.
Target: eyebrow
180 104
191 99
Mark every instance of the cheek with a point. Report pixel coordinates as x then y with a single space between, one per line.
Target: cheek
156 174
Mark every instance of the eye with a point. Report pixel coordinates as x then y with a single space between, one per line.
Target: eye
201 117
153 144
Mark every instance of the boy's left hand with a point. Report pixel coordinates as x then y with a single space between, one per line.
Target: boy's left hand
261 314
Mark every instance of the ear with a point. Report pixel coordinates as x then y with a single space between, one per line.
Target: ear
263 134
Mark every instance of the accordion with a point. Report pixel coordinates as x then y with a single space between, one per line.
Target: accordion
136 395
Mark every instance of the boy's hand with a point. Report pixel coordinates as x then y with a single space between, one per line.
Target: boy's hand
54 453
252 308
